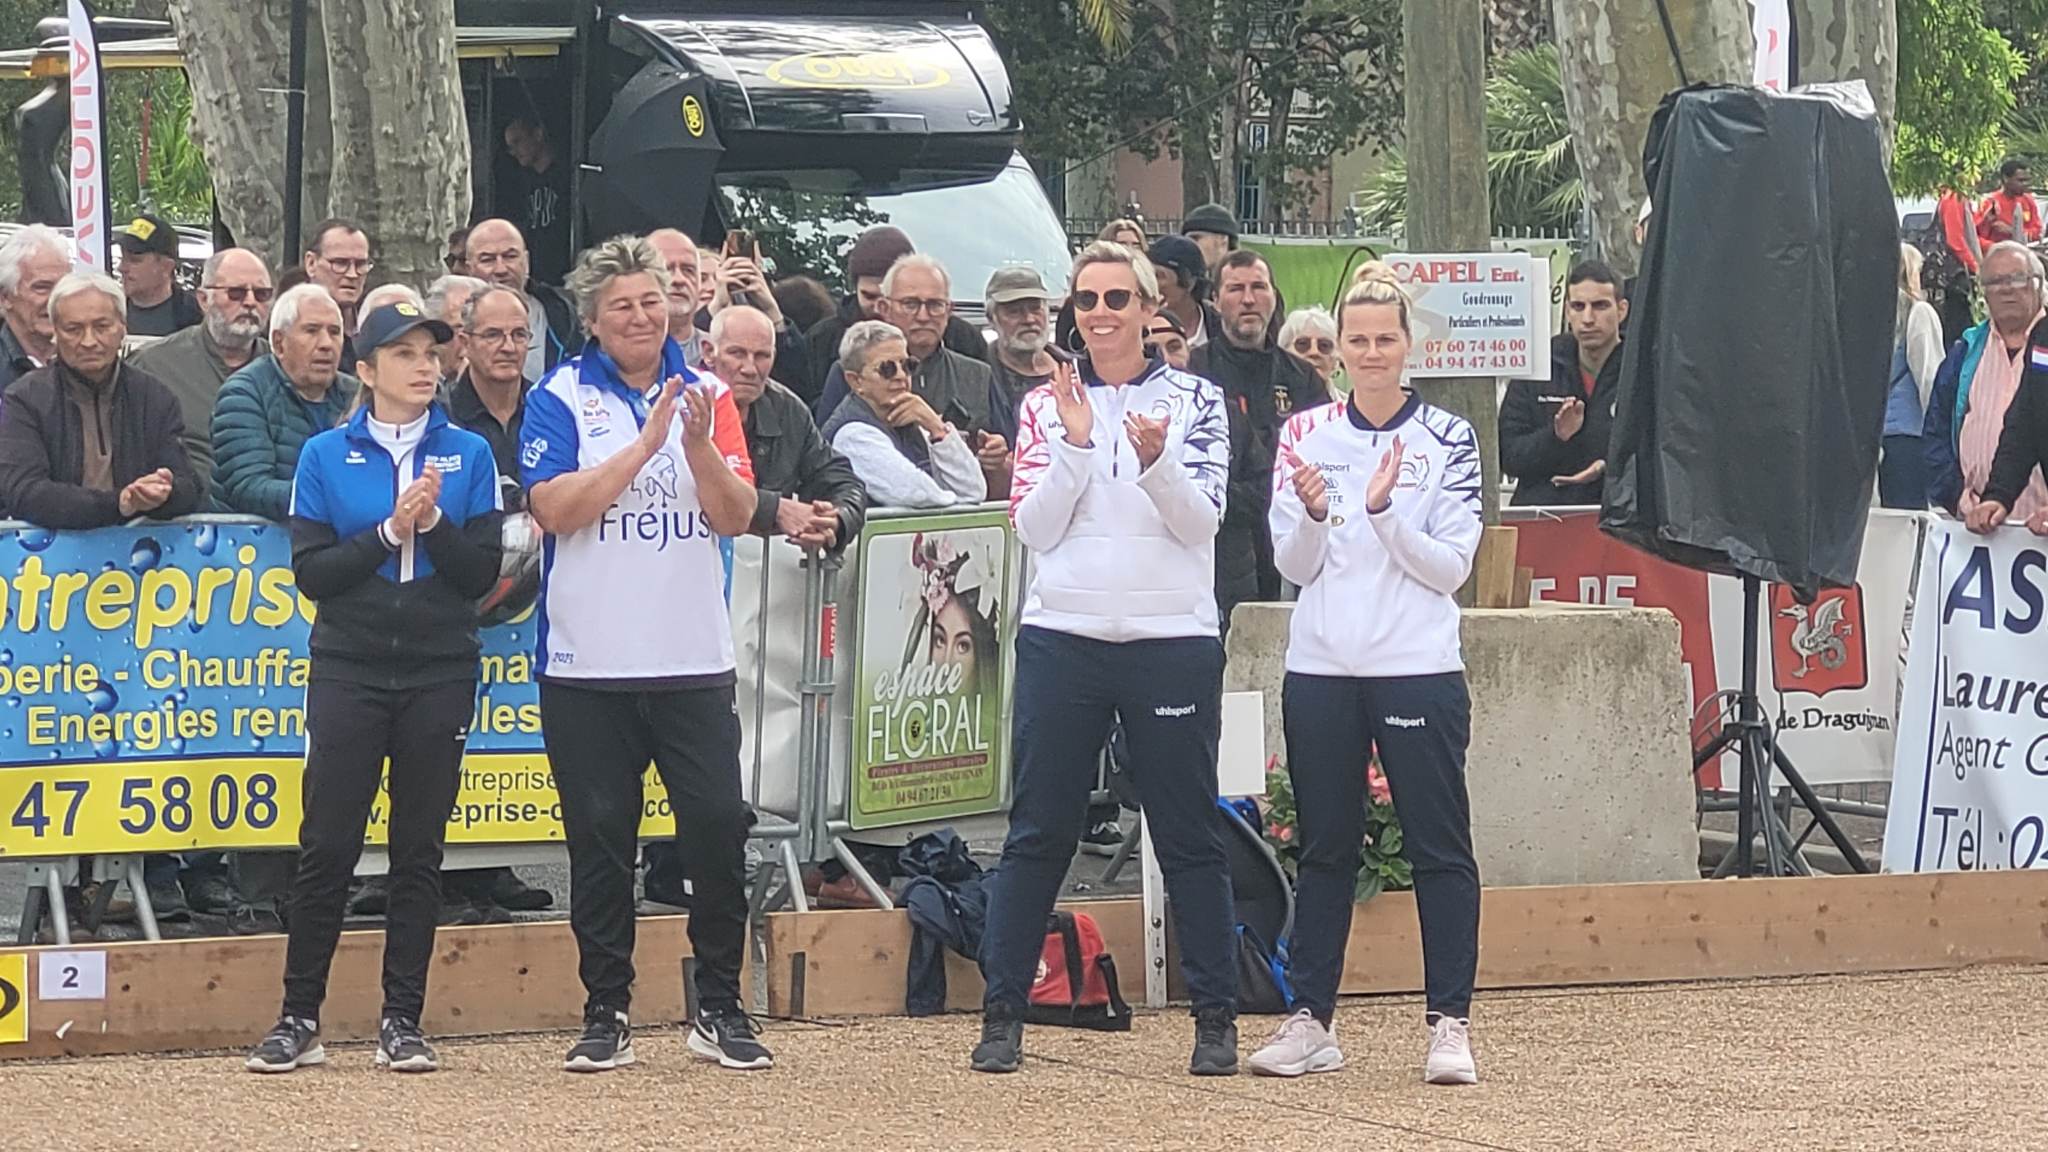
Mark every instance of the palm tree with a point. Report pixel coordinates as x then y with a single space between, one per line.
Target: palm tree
1110 20
1532 173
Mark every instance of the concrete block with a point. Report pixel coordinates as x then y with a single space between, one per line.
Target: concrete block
1580 766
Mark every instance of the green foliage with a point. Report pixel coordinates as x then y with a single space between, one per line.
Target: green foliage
1381 865
1532 171
1337 60
1956 78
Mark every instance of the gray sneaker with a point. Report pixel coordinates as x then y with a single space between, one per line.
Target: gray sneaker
1302 1045
1450 1053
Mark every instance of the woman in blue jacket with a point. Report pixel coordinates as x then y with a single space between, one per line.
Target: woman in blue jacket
394 523
1376 518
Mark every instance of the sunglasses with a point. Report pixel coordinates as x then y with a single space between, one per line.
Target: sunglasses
1325 345
239 293
1116 299
887 369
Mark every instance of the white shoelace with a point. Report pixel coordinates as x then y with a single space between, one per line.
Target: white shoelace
1293 1027
1450 1034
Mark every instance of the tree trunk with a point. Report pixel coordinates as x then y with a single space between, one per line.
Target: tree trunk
1617 67
1448 209
1194 39
317 173
1852 40
401 144
235 53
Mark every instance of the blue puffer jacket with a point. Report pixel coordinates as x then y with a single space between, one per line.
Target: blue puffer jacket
259 427
1940 436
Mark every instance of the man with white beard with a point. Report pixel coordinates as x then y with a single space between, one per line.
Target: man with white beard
235 294
1020 308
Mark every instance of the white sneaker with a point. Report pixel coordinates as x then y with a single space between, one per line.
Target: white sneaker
1302 1045
1450 1053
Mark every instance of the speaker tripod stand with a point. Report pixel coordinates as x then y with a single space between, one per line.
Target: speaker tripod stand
1751 736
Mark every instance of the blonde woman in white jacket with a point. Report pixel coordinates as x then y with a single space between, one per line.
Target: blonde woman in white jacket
1122 465
1376 517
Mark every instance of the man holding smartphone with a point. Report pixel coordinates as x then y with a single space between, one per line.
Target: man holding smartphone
742 280
1553 433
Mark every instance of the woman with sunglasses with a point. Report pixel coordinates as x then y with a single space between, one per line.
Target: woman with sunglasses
1376 518
908 455
1122 464
1311 335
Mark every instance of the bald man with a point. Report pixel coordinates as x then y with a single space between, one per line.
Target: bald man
679 252
234 297
496 253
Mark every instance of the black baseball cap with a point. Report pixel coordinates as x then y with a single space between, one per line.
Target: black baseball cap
1179 254
391 321
147 233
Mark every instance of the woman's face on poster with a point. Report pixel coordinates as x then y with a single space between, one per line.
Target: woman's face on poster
952 639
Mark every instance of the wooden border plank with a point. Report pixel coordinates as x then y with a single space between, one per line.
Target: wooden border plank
222 993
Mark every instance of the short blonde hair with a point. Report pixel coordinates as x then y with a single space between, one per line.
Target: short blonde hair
1111 252
1375 283
1910 261
616 257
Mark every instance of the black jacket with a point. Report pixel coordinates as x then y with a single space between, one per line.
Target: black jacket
42 449
791 458
2023 440
467 410
824 336
564 336
1260 387
1531 452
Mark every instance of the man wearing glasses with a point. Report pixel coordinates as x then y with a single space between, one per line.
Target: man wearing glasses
497 255
489 398
338 259
234 297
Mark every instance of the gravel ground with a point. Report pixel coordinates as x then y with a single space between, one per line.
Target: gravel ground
1845 1065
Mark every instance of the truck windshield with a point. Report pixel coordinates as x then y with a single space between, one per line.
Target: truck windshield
809 218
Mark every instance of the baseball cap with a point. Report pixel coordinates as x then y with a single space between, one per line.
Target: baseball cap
1181 255
383 325
1016 282
148 233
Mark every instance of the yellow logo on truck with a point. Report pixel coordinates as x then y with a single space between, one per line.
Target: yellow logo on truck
693 115
859 70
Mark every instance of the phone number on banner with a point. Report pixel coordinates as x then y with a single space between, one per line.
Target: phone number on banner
179 806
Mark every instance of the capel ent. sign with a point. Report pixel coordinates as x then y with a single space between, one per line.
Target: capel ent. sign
859 70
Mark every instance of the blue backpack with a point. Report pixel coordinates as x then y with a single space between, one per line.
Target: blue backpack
1263 910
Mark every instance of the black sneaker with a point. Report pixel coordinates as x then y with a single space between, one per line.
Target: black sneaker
1002 1040
401 1047
1103 838
1215 1043
208 895
254 920
293 1043
729 1036
372 898
166 899
607 1042
509 892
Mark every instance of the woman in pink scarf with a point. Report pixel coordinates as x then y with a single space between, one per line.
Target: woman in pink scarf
2012 294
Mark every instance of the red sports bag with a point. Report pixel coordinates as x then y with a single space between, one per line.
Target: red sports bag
1076 985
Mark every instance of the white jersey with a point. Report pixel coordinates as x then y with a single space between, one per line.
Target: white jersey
1378 592
640 594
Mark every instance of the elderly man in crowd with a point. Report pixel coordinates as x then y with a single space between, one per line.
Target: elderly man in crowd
741 280
149 278
685 278
234 294
868 261
497 253
1020 308
87 442
31 263
906 454
1982 374
447 299
489 398
267 411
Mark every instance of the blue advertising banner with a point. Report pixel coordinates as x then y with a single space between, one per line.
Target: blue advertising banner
152 698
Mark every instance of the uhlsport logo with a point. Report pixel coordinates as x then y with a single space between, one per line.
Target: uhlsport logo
1818 648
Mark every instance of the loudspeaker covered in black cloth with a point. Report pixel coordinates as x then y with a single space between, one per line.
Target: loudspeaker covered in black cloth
1760 336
